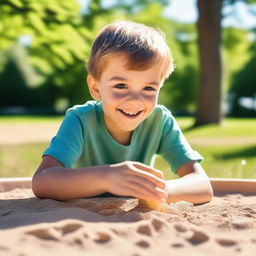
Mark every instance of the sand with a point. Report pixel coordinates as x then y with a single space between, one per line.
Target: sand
121 226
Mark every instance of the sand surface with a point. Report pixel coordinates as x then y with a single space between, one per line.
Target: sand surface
120 226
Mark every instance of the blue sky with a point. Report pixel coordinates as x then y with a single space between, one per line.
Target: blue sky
186 11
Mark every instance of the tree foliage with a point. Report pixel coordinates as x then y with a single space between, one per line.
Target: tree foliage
57 41
243 85
44 46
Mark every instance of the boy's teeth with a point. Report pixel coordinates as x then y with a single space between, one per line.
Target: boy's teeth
130 113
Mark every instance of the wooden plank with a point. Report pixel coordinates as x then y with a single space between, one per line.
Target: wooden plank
220 185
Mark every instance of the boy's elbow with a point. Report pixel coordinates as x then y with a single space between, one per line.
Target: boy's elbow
207 194
41 187
37 186
210 192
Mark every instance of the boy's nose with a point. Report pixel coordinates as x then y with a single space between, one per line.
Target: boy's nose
134 97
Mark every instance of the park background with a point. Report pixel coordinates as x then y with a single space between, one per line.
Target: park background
212 92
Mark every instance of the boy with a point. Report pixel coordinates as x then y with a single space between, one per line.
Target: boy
107 145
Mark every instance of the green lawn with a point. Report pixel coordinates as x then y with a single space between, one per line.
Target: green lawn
20 160
229 150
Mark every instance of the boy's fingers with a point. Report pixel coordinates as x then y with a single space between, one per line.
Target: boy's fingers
148 184
158 182
137 190
152 170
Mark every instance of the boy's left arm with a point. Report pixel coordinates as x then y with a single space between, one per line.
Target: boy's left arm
192 186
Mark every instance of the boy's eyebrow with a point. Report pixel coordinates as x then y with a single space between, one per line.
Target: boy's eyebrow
120 78
117 78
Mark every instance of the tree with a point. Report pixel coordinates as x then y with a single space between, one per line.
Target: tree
243 85
209 41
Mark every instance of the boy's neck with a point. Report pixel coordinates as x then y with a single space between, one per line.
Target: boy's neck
124 139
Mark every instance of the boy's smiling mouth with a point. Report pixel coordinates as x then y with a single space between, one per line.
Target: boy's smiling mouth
130 114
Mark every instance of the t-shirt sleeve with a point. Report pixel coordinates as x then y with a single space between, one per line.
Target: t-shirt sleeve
174 147
67 145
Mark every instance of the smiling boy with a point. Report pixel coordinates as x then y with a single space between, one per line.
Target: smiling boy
107 145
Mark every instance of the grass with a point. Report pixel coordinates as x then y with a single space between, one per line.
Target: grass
20 160
230 128
229 150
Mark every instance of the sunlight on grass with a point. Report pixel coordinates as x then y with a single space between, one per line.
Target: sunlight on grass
229 150
229 161
229 128
20 160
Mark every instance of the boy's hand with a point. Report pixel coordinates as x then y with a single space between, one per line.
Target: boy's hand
135 179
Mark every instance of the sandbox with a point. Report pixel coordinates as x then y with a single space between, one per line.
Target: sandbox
120 226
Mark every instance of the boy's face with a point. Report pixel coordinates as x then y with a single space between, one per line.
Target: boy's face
128 96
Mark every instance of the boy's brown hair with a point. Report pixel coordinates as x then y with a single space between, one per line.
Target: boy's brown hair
143 46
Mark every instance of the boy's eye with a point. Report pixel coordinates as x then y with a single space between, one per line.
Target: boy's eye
120 86
149 88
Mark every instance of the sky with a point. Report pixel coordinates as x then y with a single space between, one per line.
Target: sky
186 11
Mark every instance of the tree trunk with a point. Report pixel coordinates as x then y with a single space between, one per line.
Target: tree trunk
209 40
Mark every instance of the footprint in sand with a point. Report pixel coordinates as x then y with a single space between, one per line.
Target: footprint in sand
177 245
180 228
158 224
226 242
45 234
248 215
102 238
249 212
56 232
242 224
144 230
77 241
143 244
69 228
198 237
147 229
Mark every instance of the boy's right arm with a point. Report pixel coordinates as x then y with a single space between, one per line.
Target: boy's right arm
52 180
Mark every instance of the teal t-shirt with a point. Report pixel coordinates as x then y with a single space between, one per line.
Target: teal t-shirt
83 140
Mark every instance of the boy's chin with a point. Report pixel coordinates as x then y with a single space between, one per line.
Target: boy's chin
130 129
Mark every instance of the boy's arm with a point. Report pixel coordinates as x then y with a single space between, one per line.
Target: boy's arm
52 180
192 186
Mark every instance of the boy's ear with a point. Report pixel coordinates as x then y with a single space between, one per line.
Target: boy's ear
93 87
